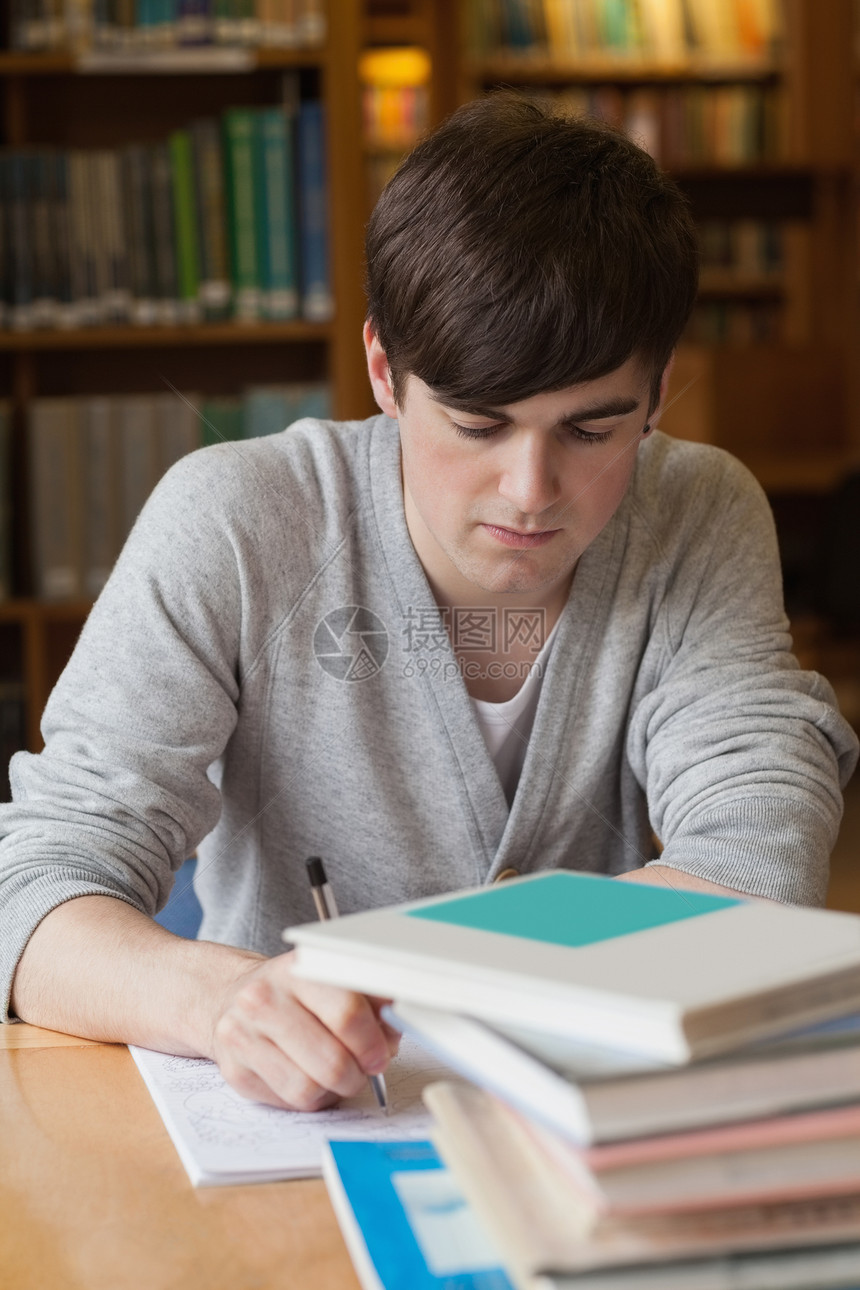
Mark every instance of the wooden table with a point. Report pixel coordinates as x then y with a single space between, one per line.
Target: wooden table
93 1196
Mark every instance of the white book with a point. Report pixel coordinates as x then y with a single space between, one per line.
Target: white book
672 974
591 1095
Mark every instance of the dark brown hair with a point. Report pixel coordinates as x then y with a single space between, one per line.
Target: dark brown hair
517 251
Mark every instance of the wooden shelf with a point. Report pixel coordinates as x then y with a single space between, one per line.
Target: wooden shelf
209 60
156 337
394 29
25 610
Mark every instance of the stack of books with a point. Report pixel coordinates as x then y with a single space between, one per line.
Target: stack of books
670 33
665 1087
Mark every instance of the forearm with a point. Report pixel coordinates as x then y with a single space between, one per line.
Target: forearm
664 875
99 968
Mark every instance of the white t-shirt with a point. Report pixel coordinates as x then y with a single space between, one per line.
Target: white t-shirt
507 727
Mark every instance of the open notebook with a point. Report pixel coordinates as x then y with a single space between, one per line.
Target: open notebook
222 1138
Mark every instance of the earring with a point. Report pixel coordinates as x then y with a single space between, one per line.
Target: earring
646 430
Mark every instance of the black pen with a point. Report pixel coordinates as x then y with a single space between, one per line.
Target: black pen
326 907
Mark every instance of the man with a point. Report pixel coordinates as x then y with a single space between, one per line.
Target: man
505 625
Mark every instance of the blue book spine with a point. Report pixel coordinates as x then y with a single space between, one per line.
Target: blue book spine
317 302
406 1223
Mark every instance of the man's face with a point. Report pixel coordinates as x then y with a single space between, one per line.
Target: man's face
505 500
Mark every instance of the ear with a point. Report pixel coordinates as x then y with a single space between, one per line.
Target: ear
654 416
377 370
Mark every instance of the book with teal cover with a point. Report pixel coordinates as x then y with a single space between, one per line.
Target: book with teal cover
653 969
542 911
406 1224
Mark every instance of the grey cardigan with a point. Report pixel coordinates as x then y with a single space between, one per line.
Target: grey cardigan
225 695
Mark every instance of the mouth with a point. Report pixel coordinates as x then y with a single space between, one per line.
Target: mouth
517 538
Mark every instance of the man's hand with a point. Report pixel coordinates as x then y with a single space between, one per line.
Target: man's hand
295 1043
99 968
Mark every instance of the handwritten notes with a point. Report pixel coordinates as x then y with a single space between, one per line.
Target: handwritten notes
222 1138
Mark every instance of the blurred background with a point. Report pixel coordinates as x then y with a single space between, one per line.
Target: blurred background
183 190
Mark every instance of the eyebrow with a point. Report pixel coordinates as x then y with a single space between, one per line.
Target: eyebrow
617 406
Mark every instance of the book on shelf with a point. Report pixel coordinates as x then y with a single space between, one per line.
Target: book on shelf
211 212
405 1222
221 420
741 249
278 238
153 26
203 226
186 224
164 235
593 1095
101 496
674 33
735 322
94 460
268 409
549 1233
243 203
140 233
55 460
685 126
593 959
317 301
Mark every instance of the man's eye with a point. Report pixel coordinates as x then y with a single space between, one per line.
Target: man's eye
591 436
474 432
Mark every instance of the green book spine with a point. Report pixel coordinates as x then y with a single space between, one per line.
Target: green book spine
279 250
241 216
185 224
222 420
208 156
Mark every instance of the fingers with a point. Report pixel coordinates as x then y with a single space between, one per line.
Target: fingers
392 1034
352 1019
297 1044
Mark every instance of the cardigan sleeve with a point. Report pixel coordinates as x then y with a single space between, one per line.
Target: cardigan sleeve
740 752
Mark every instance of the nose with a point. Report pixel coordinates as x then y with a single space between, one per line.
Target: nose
529 479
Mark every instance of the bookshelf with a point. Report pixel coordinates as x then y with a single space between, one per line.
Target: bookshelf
757 388
407 51
758 131
100 98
